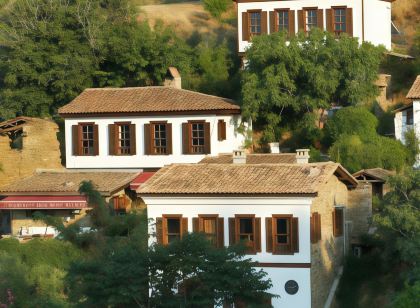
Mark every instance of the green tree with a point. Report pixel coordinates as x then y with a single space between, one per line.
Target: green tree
413 146
217 7
308 73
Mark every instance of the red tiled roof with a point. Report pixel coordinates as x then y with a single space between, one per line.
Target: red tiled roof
415 89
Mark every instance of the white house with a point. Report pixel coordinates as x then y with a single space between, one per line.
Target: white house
408 117
147 127
291 216
368 20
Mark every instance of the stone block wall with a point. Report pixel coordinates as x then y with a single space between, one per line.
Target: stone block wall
360 209
40 149
327 254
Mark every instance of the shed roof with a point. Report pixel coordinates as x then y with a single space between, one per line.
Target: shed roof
415 89
145 100
67 182
258 179
378 174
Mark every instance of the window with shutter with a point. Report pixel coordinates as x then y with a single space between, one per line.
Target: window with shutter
247 229
196 137
338 221
339 20
221 130
160 138
85 139
122 138
256 23
315 227
284 238
212 227
173 228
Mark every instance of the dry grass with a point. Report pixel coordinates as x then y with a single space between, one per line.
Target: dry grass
187 18
406 16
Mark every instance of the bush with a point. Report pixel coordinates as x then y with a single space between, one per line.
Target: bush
216 7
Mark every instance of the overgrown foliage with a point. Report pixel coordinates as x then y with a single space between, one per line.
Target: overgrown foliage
217 7
311 72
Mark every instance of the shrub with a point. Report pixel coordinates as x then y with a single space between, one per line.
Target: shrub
216 7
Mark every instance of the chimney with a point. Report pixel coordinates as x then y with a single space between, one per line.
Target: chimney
173 78
239 156
302 156
274 147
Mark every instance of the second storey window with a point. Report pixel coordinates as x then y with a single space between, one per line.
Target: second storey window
311 20
255 23
282 20
246 229
282 234
122 138
338 221
212 227
170 228
85 139
339 20
158 138
196 137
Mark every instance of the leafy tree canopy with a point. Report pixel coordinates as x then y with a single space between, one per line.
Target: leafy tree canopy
306 73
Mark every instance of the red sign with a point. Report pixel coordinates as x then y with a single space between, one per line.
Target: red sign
43 202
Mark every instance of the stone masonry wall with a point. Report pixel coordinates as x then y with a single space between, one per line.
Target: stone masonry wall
327 254
40 149
360 209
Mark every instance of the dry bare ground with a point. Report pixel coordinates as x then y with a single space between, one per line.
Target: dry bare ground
187 17
406 16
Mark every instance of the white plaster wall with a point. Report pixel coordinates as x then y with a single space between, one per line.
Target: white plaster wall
377 17
398 125
279 277
378 22
233 141
262 207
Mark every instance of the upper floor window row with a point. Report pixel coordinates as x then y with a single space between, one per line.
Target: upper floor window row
338 20
157 138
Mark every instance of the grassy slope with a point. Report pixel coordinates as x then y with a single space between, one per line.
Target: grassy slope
406 17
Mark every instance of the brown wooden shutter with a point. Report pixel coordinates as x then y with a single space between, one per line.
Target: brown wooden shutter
207 139
318 227
221 130
312 227
95 139
75 139
195 224
258 234
245 27
349 21
220 232
334 224
329 20
112 128
232 231
186 149
147 141
272 21
269 234
184 226
132 139
320 18
301 20
291 23
295 234
159 230
169 138
264 27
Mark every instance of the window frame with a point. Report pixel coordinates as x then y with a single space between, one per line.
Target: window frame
289 218
251 249
305 18
118 148
153 147
201 218
334 9
249 12
276 20
81 138
165 235
206 147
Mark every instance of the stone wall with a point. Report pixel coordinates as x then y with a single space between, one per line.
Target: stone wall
40 149
327 254
360 209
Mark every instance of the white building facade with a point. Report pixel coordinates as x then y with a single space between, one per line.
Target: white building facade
408 117
282 230
368 20
147 127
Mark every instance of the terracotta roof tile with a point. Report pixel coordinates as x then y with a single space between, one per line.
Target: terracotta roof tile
377 173
68 182
143 100
240 179
282 158
415 89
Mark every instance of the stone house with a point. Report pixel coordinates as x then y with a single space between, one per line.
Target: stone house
294 217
